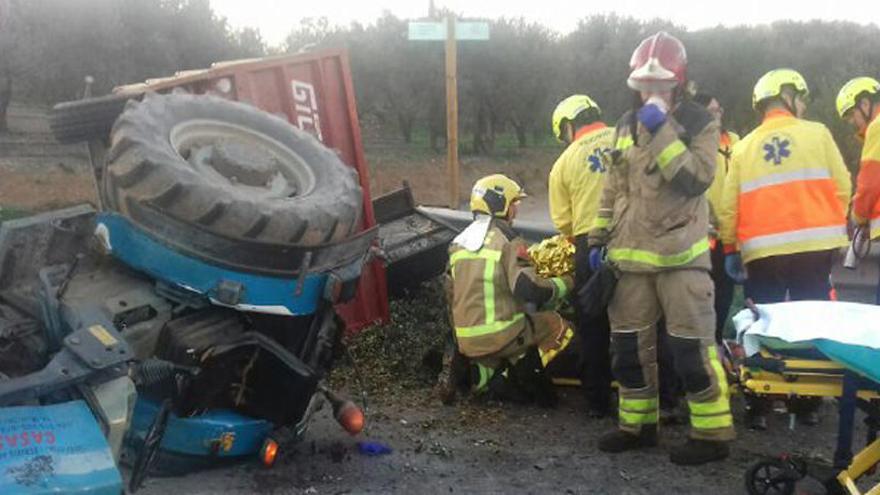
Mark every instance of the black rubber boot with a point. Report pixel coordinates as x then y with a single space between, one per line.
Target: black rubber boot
453 375
621 441
695 452
505 389
530 376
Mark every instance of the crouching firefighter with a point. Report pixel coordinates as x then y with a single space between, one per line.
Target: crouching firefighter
653 221
498 301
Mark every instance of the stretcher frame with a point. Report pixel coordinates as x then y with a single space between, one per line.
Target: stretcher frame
774 375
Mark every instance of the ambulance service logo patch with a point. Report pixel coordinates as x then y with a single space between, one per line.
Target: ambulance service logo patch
776 149
596 160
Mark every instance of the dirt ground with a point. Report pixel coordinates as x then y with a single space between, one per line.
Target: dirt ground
37 173
477 446
493 449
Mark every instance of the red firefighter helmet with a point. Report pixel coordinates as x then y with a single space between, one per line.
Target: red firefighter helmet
658 64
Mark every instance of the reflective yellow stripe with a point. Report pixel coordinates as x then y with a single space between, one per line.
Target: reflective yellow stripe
715 414
488 328
561 289
490 257
719 406
624 142
485 375
601 223
482 254
671 152
655 259
632 418
638 404
711 422
548 356
875 226
722 404
638 411
489 290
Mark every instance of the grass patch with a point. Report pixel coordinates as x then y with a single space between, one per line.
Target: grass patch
10 213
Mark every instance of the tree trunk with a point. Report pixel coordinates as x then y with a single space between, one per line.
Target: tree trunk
434 137
405 124
5 99
437 124
493 131
521 133
479 145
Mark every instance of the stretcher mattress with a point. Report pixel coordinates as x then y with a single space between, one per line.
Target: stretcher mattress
848 333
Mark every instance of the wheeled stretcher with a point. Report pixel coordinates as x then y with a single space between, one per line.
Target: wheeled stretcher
813 367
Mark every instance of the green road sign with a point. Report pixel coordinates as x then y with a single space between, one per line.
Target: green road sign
436 31
477 31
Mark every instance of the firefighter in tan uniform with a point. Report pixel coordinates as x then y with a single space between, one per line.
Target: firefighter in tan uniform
498 300
653 221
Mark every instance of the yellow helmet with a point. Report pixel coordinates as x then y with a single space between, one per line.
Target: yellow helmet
850 92
770 85
494 194
569 108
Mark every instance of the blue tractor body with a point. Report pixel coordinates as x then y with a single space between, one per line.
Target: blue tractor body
55 449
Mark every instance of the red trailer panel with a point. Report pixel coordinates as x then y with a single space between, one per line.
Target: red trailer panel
314 92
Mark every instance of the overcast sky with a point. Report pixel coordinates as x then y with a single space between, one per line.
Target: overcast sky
275 18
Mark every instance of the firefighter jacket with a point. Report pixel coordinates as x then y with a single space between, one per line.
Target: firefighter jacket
577 178
653 214
722 164
787 190
492 288
866 202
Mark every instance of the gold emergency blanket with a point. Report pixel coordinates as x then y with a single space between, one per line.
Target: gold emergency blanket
553 257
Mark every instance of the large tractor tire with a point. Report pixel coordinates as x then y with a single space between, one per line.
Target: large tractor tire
227 181
88 119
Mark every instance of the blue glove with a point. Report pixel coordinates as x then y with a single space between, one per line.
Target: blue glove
373 448
733 265
651 116
597 257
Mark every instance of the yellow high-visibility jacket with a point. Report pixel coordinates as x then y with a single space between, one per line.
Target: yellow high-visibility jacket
787 190
722 163
866 202
577 179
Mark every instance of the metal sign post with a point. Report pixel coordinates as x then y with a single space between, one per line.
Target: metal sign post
450 31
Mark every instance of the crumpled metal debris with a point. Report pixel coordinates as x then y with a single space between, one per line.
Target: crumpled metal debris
553 257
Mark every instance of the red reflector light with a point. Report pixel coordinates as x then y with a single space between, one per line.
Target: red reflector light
350 417
269 452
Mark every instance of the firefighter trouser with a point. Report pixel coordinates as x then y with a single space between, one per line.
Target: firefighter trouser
685 298
546 330
595 337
